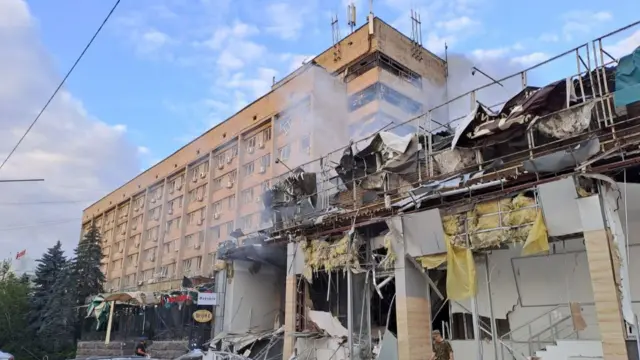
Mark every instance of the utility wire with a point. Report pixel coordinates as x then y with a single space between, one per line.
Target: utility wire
45 202
44 223
61 83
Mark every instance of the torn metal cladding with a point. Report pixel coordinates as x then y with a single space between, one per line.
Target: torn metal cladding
540 133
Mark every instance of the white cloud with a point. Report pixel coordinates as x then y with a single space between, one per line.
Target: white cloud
530 59
143 150
295 60
80 157
257 85
490 53
582 22
287 20
458 24
624 46
549 37
226 34
496 53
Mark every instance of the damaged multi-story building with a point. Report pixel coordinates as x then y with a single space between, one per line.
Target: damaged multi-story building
509 230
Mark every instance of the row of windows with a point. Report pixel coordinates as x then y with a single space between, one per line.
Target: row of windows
380 91
374 122
383 61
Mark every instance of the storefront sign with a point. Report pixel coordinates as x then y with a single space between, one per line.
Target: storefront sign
202 316
207 299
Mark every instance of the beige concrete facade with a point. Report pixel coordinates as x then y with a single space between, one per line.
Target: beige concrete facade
167 221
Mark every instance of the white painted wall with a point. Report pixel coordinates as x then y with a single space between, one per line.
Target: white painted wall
252 301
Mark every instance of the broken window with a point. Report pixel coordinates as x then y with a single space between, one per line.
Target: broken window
398 99
363 97
284 152
284 124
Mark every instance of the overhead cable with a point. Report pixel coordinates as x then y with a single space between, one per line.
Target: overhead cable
55 92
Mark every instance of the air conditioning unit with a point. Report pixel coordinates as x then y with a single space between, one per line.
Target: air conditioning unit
229 184
142 206
121 251
199 222
196 246
216 216
200 197
153 200
195 178
140 283
124 231
262 170
171 191
177 250
229 159
203 175
153 258
220 166
258 200
151 281
179 187
134 227
261 145
170 211
134 209
250 149
137 244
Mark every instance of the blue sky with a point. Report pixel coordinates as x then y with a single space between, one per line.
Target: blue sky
164 71
169 70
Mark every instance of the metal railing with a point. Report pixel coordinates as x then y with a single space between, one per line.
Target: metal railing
538 333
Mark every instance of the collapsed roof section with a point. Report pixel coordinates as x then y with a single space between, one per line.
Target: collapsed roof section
539 132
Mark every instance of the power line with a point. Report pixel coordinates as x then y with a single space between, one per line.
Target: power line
61 83
45 202
44 223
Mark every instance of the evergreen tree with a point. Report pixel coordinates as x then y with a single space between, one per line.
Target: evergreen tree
59 318
48 270
86 266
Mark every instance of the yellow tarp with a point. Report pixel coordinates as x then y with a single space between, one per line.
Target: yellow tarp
432 261
514 220
461 272
537 241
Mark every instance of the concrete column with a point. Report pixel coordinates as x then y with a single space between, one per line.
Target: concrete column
598 244
413 310
291 292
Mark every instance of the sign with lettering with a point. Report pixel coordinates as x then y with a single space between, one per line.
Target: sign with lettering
202 316
207 299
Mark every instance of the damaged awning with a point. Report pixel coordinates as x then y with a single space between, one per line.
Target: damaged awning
528 105
386 152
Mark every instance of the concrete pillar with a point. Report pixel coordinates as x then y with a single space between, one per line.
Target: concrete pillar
413 309
598 244
291 291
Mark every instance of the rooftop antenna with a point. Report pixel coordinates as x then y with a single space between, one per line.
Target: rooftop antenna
335 29
416 35
351 16
371 7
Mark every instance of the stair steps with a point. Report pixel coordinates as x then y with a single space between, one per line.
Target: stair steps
572 350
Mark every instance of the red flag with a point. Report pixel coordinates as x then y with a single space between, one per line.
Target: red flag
21 254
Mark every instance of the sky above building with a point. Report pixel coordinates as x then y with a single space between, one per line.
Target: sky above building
164 71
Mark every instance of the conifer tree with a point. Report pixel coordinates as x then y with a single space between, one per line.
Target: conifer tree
48 270
86 266
58 325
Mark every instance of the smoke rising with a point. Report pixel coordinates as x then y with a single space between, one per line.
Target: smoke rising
462 79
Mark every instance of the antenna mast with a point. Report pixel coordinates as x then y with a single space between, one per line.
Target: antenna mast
335 29
416 35
351 16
